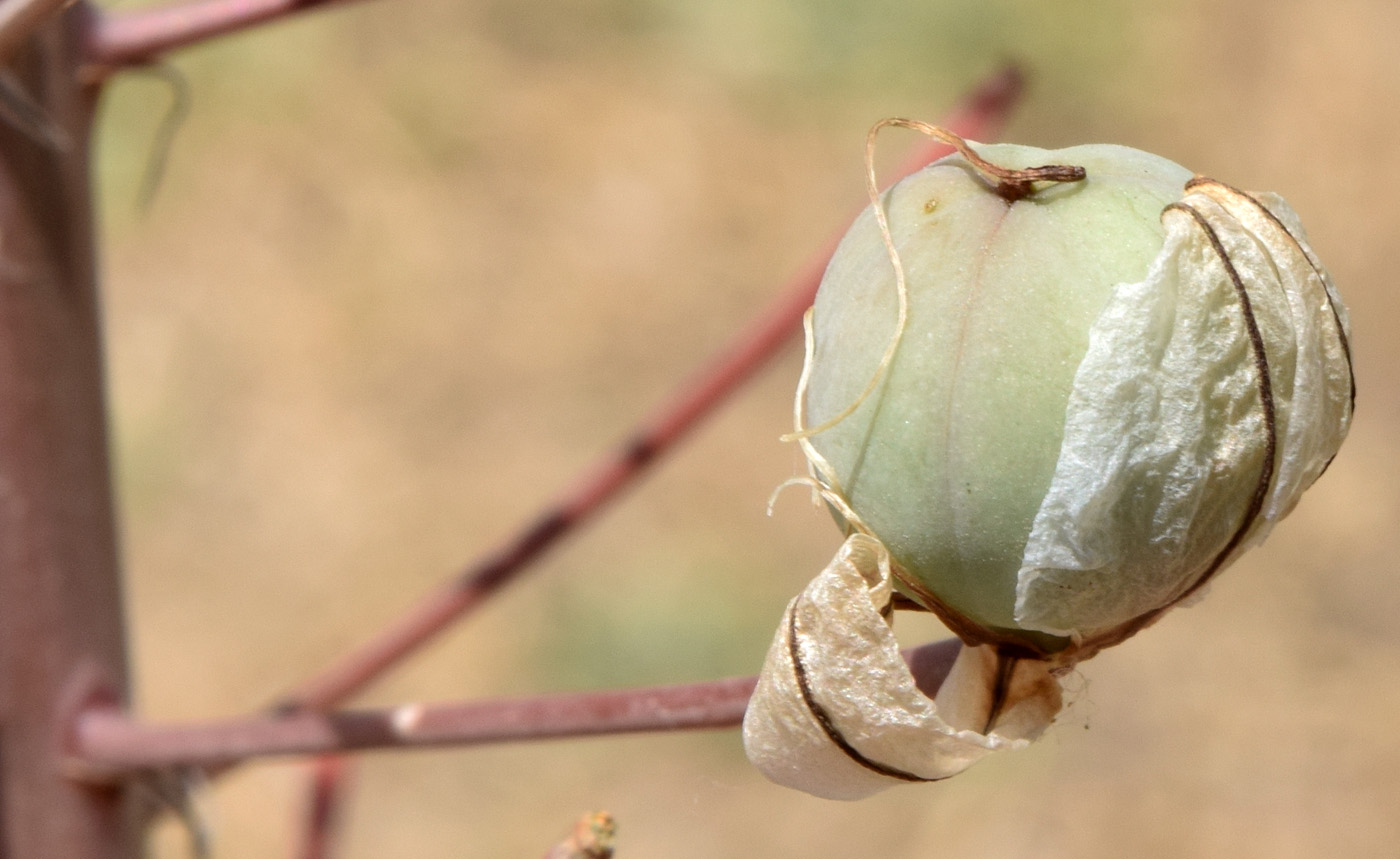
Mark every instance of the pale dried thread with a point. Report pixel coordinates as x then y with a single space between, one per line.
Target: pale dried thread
872 188
818 468
1010 184
830 496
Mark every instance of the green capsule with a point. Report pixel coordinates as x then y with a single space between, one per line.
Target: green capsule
1103 389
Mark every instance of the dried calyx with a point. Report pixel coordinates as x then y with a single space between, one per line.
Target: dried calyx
1048 404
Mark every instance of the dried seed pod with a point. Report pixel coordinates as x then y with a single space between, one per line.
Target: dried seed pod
1061 408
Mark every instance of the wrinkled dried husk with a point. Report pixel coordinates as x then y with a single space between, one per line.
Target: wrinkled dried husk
1213 393
837 713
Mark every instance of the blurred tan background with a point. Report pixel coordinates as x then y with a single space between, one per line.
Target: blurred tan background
415 263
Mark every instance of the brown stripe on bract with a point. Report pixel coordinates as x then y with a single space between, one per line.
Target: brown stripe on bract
824 718
1266 398
1117 635
1312 262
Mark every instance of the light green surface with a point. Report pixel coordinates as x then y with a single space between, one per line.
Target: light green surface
949 460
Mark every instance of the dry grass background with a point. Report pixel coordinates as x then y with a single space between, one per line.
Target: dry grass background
415 263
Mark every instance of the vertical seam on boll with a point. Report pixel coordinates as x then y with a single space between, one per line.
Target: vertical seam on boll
824 718
956 510
1266 399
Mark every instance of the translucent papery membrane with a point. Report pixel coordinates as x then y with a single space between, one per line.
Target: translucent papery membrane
838 714
1212 394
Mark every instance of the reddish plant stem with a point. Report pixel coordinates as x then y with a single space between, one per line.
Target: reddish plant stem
329 782
136 38
977 117
106 743
62 635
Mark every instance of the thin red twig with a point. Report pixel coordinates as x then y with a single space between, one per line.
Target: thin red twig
330 780
106 743
109 742
977 118
135 38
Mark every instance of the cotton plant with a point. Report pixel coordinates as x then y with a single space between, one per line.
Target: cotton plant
1047 404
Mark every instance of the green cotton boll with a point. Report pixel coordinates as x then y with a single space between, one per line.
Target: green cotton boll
1105 389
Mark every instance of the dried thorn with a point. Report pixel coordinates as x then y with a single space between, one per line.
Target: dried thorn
163 142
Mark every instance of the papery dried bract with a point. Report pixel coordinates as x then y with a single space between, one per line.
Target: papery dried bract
837 712
1213 393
